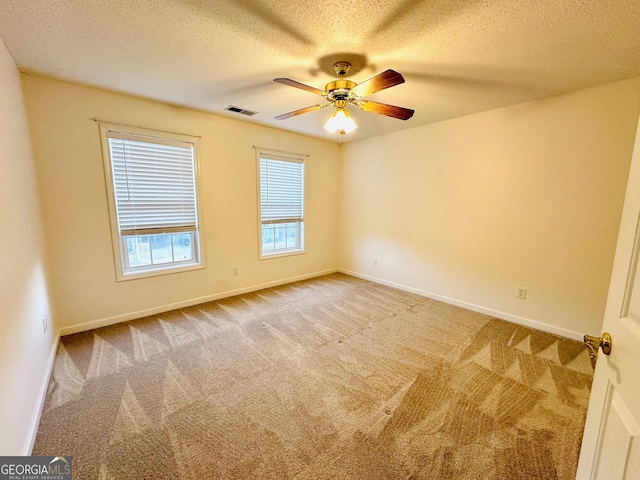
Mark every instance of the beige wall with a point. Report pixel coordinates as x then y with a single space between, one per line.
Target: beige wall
25 349
464 210
66 146
470 209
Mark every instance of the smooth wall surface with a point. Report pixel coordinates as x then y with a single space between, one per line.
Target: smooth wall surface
25 348
68 156
470 209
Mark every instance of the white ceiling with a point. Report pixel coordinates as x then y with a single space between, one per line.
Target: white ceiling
457 56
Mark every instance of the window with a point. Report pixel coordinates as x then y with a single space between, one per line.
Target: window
281 203
151 183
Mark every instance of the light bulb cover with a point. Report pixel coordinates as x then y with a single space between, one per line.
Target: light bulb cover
340 122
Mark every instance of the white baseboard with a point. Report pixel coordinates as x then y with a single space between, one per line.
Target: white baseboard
42 395
527 322
103 322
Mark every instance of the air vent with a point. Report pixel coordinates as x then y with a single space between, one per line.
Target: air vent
231 108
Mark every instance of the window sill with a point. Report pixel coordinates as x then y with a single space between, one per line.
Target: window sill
287 253
135 275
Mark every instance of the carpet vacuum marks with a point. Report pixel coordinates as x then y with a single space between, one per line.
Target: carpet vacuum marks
329 378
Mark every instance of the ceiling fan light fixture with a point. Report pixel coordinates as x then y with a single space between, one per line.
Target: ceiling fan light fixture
340 122
342 92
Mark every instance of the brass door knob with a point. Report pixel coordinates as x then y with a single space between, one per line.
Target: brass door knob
593 343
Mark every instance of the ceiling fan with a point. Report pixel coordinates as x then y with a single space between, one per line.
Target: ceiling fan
341 93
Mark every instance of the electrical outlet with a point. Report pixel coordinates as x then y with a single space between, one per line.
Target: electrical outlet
375 261
521 293
234 271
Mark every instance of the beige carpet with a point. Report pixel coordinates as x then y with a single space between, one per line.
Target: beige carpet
331 378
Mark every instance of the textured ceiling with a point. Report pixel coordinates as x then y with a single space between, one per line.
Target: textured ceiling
457 56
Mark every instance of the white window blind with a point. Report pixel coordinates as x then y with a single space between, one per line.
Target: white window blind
154 186
281 191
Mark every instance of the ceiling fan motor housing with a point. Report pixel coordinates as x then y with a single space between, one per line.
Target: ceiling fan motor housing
339 89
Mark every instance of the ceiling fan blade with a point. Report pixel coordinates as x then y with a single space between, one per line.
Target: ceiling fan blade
386 79
284 116
384 109
293 83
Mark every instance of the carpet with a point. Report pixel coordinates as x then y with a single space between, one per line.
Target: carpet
329 378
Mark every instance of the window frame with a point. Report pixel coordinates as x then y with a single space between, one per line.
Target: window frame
119 243
286 157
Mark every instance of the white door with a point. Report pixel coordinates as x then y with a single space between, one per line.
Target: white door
611 443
